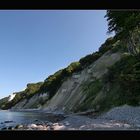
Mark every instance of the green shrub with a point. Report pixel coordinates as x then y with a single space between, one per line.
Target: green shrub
107 45
91 90
119 46
126 73
73 67
89 59
53 82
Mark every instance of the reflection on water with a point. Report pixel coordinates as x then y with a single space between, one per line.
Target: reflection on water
19 117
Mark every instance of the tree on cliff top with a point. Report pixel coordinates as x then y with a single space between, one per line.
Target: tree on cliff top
124 23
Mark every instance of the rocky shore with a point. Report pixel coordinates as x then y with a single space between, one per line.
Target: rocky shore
119 118
74 122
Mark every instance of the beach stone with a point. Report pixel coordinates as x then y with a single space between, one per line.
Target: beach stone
60 124
19 126
55 124
49 124
4 128
51 127
32 125
58 127
29 129
36 120
137 125
67 123
46 122
8 121
126 125
48 128
40 127
10 128
39 123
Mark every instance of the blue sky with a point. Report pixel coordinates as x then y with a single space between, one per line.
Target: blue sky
37 43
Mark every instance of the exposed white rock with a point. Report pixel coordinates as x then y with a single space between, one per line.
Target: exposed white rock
58 127
43 95
11 97
67 123
76 76
89 71
32 126
64 90
25 104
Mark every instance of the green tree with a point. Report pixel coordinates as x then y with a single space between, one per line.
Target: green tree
123 23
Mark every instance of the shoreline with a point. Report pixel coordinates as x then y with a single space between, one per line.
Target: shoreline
74 122
119 118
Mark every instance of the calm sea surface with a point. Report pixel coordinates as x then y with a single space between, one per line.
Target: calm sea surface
19 117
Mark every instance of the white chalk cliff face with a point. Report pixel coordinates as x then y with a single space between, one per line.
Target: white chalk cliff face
71 94
33 102
11 97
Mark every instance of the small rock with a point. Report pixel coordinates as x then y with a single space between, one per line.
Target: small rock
39 124
40 127
51 128
5 128
49 124
58 127
126 125
67 123
10 128
19 126
55 124
32 126
57 119
48 128
29 129
138 125
36 120
8 121
46 122
60 124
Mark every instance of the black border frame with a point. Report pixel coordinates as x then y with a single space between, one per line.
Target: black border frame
69 4
66 5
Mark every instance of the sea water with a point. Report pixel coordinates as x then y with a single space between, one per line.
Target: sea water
12 118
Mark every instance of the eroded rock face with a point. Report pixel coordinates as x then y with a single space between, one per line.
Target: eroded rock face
70 95
33 102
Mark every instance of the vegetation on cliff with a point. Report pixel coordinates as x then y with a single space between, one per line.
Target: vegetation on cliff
27 93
